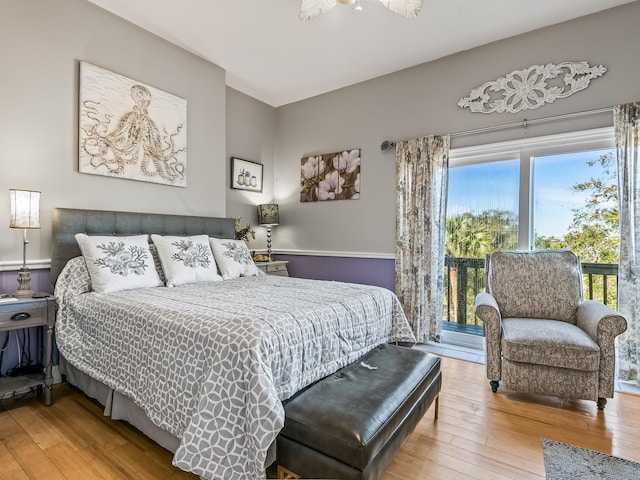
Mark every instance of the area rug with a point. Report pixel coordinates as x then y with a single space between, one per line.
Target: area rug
568 462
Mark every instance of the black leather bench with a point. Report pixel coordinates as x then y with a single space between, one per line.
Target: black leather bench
350 425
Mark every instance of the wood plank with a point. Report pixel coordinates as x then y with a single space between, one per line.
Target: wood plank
8 426
88 418
31 458
39 430
9 467
73 465
138 464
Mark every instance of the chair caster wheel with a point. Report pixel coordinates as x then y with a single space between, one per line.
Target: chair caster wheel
601 403
494 385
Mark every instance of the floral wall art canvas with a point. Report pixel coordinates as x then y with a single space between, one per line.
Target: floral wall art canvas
330 176
131 130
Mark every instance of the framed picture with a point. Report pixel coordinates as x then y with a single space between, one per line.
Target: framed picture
246 175
330 176
131 130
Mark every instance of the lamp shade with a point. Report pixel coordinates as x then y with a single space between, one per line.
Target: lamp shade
268 214
25 209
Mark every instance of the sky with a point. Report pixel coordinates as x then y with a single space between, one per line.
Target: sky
495 186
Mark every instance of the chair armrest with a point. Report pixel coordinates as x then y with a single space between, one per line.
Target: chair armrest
603 324
600 321
488 311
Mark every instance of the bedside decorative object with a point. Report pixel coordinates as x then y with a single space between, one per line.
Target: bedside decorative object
243 233
246 175
275 267
25 214
268 216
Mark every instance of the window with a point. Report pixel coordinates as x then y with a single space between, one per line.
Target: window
552 192
575 204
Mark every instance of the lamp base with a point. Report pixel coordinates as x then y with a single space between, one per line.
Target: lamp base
24 279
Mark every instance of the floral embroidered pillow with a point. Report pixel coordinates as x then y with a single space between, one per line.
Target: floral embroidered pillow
186 259
118 263
233 258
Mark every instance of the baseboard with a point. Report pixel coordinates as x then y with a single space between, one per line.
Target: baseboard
463 340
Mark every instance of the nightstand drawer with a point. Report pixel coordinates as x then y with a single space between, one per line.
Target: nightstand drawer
278 267
29 314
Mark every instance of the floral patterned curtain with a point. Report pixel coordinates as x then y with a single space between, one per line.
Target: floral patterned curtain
422 180
627 131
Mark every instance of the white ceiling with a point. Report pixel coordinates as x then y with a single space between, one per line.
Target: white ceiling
271 55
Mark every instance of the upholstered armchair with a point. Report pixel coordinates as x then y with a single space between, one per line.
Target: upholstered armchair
541 336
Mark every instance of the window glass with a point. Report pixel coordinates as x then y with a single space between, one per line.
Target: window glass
575 199
482 208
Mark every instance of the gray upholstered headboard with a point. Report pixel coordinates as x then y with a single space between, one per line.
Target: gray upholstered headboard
68 221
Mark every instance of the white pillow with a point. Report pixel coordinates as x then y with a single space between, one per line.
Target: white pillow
233 258
118 263
186 259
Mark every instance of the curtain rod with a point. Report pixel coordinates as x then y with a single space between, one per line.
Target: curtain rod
524 124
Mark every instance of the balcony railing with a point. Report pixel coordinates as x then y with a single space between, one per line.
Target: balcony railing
464 279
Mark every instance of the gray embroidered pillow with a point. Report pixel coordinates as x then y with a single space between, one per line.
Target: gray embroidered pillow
186 259
118 263
233 258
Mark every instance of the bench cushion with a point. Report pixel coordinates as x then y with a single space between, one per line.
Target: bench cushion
352 414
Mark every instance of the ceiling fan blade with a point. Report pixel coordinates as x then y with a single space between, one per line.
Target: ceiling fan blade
312 8
406 8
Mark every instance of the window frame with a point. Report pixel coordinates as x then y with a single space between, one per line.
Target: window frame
526 150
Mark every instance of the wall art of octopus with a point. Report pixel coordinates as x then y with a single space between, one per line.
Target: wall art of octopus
131 130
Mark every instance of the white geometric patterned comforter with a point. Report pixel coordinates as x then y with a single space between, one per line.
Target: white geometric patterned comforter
211 362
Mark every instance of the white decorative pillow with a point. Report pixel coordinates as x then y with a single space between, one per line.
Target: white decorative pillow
118 263
233 258
186 259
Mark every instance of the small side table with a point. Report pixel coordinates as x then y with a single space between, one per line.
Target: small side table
275 267
27 313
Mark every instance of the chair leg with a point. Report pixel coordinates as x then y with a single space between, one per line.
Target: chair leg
601 403
494 385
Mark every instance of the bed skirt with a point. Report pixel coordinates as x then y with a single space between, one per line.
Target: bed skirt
120 407
117 406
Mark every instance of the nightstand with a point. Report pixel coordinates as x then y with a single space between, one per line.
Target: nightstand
28 313
275 267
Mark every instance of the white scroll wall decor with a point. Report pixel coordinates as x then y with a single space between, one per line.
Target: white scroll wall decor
531 87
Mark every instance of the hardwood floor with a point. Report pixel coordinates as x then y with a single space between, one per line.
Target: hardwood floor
478 435
73 440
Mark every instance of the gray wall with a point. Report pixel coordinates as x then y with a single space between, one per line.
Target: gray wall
251 134
423 100
42 44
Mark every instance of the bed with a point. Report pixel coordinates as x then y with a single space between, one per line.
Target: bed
202 368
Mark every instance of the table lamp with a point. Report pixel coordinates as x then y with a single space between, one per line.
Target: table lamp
25 214
268 216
